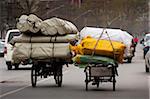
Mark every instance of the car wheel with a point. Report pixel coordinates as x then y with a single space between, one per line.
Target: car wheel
146 69
9 66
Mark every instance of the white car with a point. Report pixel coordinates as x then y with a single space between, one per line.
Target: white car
147 61
146 44
8 48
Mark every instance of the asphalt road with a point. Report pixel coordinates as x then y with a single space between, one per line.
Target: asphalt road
132 83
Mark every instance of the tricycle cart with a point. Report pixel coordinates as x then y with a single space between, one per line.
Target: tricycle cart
99 68
47 68
97 73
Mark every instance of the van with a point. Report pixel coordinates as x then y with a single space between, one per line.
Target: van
8 48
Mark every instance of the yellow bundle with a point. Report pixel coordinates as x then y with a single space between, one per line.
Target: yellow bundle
104 48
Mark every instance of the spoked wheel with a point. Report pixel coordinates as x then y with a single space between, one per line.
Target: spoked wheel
86 82
59 80
16 66
33 76
97 84
146 68
58 76
114 83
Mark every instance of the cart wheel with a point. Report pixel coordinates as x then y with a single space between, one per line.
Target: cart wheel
114 83
97 84
33 76
59 80
58 76
86 82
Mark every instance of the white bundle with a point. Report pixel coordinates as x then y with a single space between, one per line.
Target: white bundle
41 51
56 26
23 25
33 22
29 23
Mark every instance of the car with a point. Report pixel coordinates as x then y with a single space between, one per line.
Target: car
146 44
147 61
130 53
1 47
8 48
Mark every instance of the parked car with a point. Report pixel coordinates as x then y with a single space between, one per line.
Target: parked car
8 48
130 53
1 47
147 61
146 44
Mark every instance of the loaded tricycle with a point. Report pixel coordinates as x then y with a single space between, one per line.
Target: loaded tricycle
98 73
47 68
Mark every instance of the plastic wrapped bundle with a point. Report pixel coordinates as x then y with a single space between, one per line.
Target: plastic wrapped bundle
23 25
104 48
88 59
40 51
43 39
56 26
34 21
28 24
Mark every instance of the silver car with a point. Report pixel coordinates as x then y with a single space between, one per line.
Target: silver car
147 61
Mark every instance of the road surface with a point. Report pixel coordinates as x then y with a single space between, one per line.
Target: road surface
132 83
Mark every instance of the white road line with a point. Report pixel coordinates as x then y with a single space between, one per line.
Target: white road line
19 89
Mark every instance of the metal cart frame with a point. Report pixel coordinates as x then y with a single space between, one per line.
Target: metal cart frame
97 73
44 69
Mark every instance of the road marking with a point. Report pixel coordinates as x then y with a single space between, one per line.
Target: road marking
19 89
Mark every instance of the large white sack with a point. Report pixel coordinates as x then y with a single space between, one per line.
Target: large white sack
33 22
56 26
43 39
28 24
113 34
22 23
70 27
40 51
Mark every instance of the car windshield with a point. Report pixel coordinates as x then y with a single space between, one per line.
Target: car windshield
147 38
12 34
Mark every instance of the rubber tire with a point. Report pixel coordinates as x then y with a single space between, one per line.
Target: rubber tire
16 66
114 84
33 76
9 66
129 60
146 69
59 76
86 82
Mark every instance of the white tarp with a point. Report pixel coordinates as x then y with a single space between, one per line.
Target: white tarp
40 51
52 26
28 23
43 39
56 26
114 34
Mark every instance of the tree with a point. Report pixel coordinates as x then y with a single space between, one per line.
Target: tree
29 6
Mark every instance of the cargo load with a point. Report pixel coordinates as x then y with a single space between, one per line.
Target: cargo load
112 34
54 26
23 38
88 59
103 48
28 23
43 39
41 51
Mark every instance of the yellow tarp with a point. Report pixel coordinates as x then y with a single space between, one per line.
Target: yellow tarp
104 48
